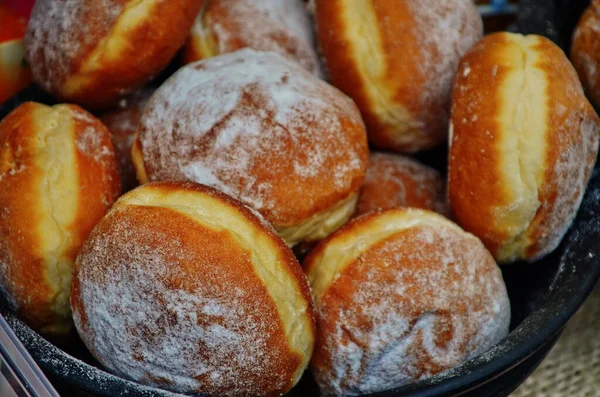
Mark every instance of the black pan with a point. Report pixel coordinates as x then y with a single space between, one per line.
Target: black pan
544 295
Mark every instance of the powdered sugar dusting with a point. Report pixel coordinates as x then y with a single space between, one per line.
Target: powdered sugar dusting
281 26
93 141
572 135
394 181
258 127
68 367
90 141
409 308
61 31
584 50
578 137
445 31
147 318
12 171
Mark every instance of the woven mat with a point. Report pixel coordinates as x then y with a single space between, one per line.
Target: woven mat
572 368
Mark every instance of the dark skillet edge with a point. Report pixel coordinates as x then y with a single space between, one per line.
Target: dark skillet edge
578 273
511 379
70 370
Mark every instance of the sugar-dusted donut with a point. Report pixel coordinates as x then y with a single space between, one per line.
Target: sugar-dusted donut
184 288
401 295
58 177
394 181
524 140
95 52
260 128
280 26
122 123
397 59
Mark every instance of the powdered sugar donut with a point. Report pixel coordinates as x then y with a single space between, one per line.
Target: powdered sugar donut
281 26
260 128
122 123
58 178
524 141
183 288
395 181
94 52
397 59
401 295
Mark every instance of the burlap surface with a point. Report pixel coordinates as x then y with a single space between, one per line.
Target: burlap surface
572 368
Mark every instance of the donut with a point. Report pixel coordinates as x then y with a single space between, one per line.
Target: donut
263 130
585 50
394 181
281 26
95 52
184 288
397 59
122 123
524 141
401 295
58 177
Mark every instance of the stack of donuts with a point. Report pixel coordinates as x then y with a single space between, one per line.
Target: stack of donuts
155 210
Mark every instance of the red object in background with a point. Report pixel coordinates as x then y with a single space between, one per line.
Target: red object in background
12 27
21 8
14 73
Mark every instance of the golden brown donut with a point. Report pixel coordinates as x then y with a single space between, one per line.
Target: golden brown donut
395 181
184 288
585 50
260 128
58 177
280 26
401 295
94 52
122 123
523 144
397 59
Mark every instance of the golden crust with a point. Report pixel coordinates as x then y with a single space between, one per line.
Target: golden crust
94 52
383 55
218 254
25 282
58 177
229 25
524 142
395 181
401 295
